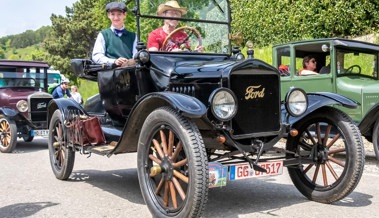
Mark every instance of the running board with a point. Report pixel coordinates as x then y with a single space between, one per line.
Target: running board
103 149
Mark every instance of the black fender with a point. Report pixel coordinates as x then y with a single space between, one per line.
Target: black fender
8 112
62 104
367 124
186 105
318 100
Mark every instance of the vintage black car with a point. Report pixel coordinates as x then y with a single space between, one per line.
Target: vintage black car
23 102
200 120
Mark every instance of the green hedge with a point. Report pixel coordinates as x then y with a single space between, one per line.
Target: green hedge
275 21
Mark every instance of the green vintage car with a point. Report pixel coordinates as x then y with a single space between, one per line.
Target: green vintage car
346 67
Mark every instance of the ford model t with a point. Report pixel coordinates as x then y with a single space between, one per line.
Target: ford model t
203 119
23 101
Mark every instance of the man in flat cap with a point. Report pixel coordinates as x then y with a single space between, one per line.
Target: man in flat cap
115 45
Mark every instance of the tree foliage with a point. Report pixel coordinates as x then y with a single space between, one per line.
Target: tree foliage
276 21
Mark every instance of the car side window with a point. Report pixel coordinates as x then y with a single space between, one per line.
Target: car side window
284 61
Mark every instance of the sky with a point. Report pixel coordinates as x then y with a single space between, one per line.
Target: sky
17 16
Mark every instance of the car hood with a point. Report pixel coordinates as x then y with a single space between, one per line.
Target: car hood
359 84
10 96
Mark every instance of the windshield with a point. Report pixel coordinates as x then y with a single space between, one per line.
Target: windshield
202 22
21 79
357 63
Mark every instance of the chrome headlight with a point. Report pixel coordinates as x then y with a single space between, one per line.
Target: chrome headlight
296 102
22 105
143 56
223 104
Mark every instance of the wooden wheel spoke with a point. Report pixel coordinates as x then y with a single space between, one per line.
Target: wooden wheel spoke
334 151
165 195
164 141
334 160
308 168
326 135
177 151
318 132
333 140
179 188
158 148
316 173
155 159
170 143
180 163
181 176
159 187
332 170
173 195
324 176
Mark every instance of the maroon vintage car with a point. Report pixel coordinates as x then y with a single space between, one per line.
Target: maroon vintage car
23 101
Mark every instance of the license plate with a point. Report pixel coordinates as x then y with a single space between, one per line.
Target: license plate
243 171
41 132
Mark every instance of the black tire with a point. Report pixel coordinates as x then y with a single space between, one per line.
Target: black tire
168 139
375 139
28 138
62 157
340 163
8 135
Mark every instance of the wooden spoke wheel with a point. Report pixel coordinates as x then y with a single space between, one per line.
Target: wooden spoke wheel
62 157
8 134
172 165
334 145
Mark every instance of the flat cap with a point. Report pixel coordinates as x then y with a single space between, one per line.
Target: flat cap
120 6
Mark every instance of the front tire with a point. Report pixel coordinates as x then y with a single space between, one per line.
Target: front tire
8 135
172 165
62 157
333 142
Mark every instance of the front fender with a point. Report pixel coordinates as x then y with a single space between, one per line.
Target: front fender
186 105
8 112
317 100
367 123
62 104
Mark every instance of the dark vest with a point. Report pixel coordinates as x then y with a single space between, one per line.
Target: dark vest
116 46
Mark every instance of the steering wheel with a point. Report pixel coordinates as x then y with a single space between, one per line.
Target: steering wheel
180 44
350 69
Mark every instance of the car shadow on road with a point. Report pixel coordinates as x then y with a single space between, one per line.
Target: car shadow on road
122 183
262 196
28 147
24 209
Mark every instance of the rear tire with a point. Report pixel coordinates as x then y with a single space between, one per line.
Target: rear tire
62 157
8 134
335 143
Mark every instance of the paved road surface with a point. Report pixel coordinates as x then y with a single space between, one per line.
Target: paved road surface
108 187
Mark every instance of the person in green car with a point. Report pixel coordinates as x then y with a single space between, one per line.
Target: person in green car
309 66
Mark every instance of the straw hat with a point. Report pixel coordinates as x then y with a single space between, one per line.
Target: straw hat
171 5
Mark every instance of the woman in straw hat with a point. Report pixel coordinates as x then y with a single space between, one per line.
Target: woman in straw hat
157 37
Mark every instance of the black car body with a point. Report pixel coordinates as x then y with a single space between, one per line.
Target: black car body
198 120
23 101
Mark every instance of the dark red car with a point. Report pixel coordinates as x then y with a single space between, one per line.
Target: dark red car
23 101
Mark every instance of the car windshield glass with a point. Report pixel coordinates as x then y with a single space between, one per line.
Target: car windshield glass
204 22
357 63
21 79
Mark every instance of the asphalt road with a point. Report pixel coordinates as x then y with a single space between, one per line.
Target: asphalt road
108 187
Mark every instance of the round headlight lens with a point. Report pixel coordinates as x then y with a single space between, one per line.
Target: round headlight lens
223 104
144 56
296 102
22 105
